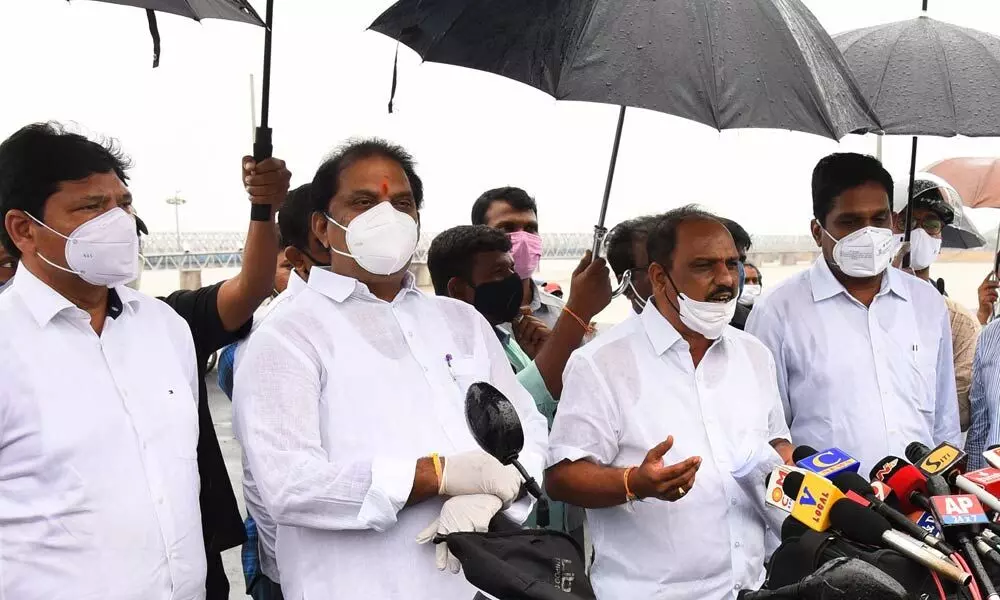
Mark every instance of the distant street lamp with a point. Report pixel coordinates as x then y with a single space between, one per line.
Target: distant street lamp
176 202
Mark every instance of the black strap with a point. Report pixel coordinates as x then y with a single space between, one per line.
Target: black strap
155 32
395 72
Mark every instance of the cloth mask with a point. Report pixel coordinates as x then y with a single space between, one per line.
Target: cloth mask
526 248
866 252
499 301
381 240
103 251
924 249
751 292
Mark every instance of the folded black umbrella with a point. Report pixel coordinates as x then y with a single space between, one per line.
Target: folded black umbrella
725 63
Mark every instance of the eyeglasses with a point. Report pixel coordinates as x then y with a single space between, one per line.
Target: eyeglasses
931 225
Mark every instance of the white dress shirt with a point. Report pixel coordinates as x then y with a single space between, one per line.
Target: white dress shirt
267 529
866 380
340 394
98 438
629 390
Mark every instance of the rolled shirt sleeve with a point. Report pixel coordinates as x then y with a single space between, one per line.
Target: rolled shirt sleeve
585 428
276 418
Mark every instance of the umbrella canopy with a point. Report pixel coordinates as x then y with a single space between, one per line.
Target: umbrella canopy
229 10
927 77
725 63
976 179
935 193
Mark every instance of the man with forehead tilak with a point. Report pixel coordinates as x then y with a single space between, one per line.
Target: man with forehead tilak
351 403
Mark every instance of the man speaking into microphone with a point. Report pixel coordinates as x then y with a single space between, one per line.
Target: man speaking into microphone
662 422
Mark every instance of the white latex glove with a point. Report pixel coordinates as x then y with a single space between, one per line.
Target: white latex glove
461 513
479 473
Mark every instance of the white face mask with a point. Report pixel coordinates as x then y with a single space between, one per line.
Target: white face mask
103 251
751 292
382 239
924 249
707 318
866 252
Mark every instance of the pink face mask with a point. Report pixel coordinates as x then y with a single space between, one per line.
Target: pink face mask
526 248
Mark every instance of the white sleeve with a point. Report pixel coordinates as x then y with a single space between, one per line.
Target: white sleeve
276 415
768 327
536 430
588 421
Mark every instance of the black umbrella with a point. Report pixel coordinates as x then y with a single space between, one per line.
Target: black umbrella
725 63
926 77
229 10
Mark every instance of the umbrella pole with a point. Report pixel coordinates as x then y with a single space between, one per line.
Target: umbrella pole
262 147
909 199
600 231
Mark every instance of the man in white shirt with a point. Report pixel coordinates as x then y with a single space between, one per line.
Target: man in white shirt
658 399
98 408
352 403
863 351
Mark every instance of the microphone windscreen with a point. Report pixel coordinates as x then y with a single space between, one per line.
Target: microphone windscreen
937 486
848 481
801 452
857 522
904 481
916 452
792 484
792 529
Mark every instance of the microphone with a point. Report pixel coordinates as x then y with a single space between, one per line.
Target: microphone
849 481
827 463
960 510
905 481
867 527
944 460
775 495
814 496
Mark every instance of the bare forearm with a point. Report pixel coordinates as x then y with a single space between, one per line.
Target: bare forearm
425 481
583 483
784 450
240 296
566 336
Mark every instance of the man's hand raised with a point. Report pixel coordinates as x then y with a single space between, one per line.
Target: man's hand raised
653 479
590 289
266 182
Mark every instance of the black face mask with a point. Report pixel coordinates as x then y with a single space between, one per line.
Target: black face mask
499 301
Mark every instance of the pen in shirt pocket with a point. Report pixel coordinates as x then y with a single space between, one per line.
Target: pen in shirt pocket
451 370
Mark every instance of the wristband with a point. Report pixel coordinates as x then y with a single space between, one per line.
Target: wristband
586 327
261 212
629 496
436 459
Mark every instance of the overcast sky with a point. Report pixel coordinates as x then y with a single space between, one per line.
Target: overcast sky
187 123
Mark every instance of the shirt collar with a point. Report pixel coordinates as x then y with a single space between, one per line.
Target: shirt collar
44 303
339 288
660 332
825 285
295 283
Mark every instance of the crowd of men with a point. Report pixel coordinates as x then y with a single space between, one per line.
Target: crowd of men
349 383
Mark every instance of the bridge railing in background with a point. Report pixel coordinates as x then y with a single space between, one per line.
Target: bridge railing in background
224 249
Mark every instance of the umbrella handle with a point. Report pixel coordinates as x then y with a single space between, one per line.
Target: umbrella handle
262 147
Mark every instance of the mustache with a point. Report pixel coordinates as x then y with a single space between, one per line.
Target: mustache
721 293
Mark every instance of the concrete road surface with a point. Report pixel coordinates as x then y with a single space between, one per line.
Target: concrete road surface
222 416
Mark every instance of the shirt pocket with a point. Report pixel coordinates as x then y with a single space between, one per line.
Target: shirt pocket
467 371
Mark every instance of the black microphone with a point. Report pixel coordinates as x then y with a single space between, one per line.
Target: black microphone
801 452
847 481
947 460
937 486
862 525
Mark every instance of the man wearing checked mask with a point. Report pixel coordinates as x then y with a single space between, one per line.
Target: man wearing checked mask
351 403
863 350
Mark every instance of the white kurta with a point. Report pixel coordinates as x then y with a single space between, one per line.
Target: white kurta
629 390
340 394
98 450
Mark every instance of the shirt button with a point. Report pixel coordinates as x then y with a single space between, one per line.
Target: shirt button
733 501
737 587
160 500
737 544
